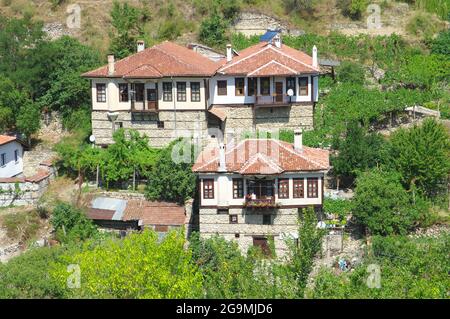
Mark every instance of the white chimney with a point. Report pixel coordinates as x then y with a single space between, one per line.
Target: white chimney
229 53
140 46
298 140
315 61
111 64
277 40
222 165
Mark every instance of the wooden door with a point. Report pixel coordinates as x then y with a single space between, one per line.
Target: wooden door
279 91
152 99
263 244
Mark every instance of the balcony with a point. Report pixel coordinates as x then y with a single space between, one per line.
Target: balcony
141 107
266 202
272 100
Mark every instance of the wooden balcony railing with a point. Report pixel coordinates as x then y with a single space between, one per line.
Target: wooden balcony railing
272 100
260 203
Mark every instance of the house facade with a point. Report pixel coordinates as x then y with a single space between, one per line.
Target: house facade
11 153
252 192
168 90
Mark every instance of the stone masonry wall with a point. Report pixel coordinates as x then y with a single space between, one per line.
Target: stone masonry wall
186 121
250 223
290 117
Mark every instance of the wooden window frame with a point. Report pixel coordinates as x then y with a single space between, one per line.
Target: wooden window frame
222 91
195 95
265 222
181 93
291 87
283 188
310 187
252 85
241 86
305 86
238 188
232 217
123 94
167 91
208 188
298 187
101 92
262 86
139 97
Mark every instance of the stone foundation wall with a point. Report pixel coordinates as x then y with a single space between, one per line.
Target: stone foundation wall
250 223
186 122
267 118
24 191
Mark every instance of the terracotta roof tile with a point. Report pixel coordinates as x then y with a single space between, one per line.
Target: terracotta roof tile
100 214
263 156
273 61
155 213
4 139
164 59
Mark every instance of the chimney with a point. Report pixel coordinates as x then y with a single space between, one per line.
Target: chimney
140 46
111 64
315 61
277 40
229 53
222 165
298 140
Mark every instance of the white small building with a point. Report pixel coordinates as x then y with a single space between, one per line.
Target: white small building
11 154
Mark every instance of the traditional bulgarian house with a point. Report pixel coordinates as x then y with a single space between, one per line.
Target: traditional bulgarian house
167 89
252 192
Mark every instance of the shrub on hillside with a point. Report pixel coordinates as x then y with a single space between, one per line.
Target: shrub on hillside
213 31
383 206
352 8
351 72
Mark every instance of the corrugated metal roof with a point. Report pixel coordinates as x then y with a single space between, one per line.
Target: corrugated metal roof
112 204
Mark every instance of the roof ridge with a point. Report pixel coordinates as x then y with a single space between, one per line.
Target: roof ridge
299 154
268 63
292 58
244 58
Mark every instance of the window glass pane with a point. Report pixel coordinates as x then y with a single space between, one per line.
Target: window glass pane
101 92
303 85
181 91
195 91
167 91
265 86
298 188
222 87
290 84
239 86
313 191
123 92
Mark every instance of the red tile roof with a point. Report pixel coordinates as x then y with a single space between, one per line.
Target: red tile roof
100 214
155 213
4 139
264 59
164 59
263 157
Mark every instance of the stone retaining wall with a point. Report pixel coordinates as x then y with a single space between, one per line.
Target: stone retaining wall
22 191
250 223
183 121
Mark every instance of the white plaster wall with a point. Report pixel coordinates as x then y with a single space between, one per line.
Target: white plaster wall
223 190
231 98
112 103
11 168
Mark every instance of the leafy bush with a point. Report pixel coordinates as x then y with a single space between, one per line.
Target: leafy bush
421 155
27 276
71 224
213 31
383 206
298 5
441 44
424 25
171 179
351 72
358 151
352 8
339 207
410 268
139 266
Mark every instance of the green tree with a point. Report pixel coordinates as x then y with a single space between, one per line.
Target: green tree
383 206
352 8
171 179
213 30
127 24
139 266
28 120
71 224
358 151
351 72
421 155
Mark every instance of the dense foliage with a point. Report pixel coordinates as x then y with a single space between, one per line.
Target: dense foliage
139 266
171 178
409 268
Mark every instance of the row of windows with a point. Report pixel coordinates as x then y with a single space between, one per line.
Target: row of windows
138 89
265 188
252 86
3 158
